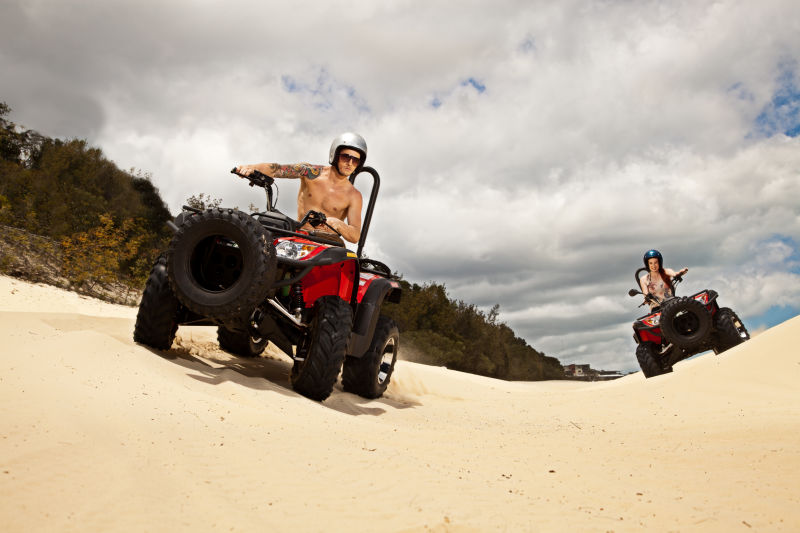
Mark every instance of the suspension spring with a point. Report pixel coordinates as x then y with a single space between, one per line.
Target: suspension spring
297 300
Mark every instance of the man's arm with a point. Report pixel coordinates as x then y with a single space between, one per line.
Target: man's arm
275 170
350 230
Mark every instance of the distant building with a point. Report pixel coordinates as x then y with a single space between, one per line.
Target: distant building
586 373
577 371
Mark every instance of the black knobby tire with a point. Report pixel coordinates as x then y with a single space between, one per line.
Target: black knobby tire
240 343
650 360
221 265
323 349
685 322
369 375
730 330
156 321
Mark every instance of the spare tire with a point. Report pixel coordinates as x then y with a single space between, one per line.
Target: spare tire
685 322
221 265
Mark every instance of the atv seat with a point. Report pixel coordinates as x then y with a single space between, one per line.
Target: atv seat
276 219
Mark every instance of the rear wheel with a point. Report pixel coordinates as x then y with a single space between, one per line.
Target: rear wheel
240 343
730 330
157 319
685 322
650 360
369 375
320 355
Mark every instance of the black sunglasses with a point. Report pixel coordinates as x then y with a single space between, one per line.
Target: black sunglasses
349 158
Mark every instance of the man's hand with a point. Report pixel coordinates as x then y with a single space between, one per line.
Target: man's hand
335 224
315 218
244 170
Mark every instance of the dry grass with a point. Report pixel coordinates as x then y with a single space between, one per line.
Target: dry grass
31 257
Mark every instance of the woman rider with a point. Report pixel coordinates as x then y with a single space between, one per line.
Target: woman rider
658 281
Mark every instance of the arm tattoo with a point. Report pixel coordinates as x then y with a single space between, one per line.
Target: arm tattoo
301 170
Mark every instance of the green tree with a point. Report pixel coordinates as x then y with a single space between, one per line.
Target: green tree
437 330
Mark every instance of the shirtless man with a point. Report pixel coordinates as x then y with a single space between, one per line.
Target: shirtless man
326 189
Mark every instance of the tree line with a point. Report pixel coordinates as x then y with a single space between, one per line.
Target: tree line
437 330
107 226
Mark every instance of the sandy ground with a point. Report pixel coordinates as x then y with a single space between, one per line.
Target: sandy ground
100 434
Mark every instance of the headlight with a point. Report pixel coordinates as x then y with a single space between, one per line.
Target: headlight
703 297
652 320
294 250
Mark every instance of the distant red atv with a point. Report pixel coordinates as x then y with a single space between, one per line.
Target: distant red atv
683 326
260 278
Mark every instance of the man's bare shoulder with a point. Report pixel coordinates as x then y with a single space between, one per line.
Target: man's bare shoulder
296 171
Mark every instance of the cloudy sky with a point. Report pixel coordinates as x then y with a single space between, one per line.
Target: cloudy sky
530 151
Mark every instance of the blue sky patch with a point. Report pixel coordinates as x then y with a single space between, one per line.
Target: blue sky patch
782 113
792 262
438 100
325 92
472 82
772 317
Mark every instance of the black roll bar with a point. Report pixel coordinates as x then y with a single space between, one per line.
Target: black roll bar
373 196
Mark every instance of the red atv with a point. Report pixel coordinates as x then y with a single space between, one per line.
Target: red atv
259 277
683 326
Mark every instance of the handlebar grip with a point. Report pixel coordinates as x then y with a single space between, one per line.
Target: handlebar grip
255 177
317 219
260 175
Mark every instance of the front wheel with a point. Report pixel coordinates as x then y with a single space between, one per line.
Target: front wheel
157 319
730 330
320 355
650 360
369 375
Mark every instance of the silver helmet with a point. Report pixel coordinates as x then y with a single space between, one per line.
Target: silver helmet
350 140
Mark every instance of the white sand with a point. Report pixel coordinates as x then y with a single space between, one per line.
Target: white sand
100 434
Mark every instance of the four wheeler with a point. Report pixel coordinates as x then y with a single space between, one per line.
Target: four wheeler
682 326
261 278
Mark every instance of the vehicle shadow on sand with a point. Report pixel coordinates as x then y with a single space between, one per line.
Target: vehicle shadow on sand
267 373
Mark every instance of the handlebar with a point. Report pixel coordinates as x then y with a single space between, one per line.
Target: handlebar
315 218
255 178
263 181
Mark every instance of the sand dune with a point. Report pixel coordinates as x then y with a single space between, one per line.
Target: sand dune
100 434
